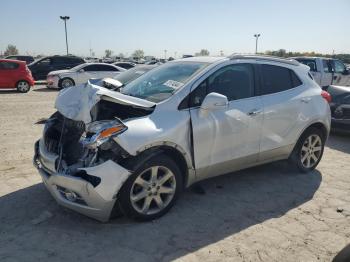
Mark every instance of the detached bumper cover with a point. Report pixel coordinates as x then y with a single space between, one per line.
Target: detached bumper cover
95 202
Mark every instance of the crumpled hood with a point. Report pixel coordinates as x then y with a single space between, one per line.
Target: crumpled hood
76 102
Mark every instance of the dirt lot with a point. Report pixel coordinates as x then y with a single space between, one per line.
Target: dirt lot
267 213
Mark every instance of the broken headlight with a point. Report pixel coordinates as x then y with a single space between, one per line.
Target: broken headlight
99 132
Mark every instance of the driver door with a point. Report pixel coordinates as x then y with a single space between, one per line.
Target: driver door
226 139
341 75
87 72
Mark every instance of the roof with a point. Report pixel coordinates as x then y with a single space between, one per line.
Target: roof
12 60
204 59
266 58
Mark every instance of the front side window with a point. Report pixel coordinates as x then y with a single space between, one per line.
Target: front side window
339 67
233 81
163 81
89 68
44 62
277 79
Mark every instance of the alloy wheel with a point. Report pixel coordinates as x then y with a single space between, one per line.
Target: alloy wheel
153 190
23 86
311 151
67 83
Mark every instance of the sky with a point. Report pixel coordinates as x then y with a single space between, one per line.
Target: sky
178 26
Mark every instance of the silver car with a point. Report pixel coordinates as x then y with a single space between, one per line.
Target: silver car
137 148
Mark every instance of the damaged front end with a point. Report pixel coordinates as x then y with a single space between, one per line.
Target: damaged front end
80 162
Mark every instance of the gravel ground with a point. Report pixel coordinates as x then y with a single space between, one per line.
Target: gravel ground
267 213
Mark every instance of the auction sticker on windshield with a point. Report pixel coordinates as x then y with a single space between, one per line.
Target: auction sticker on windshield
173 84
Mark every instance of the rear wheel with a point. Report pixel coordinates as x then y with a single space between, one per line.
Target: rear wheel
23 86
309 150
151 190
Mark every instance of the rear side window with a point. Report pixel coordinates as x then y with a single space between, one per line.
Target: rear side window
277 79
8 65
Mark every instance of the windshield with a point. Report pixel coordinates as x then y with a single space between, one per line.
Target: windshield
78 67
131 74
160 83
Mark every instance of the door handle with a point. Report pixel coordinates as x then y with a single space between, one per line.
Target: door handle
306 99
254 112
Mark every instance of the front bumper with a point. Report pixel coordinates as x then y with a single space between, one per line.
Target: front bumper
95 202
52 81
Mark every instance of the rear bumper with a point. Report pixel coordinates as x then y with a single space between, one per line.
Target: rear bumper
341 124
96 202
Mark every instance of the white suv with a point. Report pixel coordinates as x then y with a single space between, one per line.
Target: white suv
135 149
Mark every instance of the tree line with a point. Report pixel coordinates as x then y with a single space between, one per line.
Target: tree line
139 53
283 53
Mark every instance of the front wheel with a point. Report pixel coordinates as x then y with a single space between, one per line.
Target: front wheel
67 82
309 150
151 190
23 86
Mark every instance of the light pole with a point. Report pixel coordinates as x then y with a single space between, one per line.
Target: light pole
165 54
256 42
65 18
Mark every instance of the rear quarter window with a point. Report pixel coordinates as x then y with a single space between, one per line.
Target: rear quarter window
277 79
8 65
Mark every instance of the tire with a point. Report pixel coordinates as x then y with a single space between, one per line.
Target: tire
22 86
308 153
66 82
133 198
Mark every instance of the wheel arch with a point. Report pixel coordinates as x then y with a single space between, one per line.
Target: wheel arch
318 125
172 151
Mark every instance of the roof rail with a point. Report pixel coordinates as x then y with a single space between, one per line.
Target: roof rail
265 58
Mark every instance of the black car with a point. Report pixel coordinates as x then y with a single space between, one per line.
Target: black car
125 65
27 58
340 107
43 66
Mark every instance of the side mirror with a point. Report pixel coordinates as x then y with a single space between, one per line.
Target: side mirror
81 70
214 101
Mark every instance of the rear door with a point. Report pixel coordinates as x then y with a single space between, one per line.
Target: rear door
280 91
9 74
227 138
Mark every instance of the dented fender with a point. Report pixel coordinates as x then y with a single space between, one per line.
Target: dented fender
112 178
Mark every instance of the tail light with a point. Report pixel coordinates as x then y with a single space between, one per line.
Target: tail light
326 96
28 71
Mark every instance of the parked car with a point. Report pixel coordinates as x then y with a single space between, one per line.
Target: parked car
81 74
125 77
92 59
43 66
340 107
181 122
14 74
27 58
125 65
327 71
